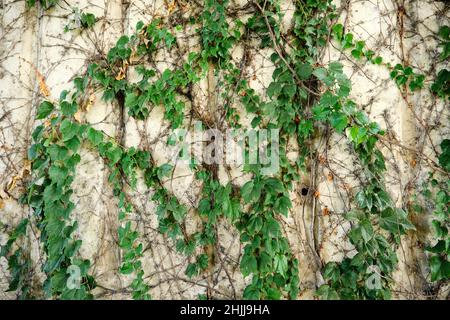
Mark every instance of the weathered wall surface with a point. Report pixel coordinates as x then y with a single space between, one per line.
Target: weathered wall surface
36 56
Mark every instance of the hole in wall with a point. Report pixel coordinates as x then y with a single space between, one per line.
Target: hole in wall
305 191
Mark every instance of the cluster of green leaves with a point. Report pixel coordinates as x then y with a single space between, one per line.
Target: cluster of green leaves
402 75
392 219
87 20
441 85
217 201
347 279
83 20
123 164
440 251
216 36
44 3
406 76
437 196
145 41
444 36
19 263
440 198
267 254
346 40
444 157
171 214
231 83
217 39
311 29
54 156
161 92
171 218
294 89
259 23
138 96
62 139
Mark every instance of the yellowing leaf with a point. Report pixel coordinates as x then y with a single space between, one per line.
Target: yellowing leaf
43 88
12 183
122 71
120 75
171 7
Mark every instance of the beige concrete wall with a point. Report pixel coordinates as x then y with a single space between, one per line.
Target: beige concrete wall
37 56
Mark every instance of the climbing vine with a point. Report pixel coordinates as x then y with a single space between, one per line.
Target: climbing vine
436 194
303 96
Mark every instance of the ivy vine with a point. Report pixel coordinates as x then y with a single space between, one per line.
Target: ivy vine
304 94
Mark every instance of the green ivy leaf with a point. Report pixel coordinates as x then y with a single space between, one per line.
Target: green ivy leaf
290 90
202 261
246 191
73 144
58 174
251 292
68 109
378 60
304 71
440 268
274 89
114 154
273 294
395 221
339 121
383 200
94 136
57 152
45 108
191 270
363 200
274 186
320 73
366 230
249 264
282 205
338 31
440 229
281 264
326 292
331 272
69 129
126 268
87 20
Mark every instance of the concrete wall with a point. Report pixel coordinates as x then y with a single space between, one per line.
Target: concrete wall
38 58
